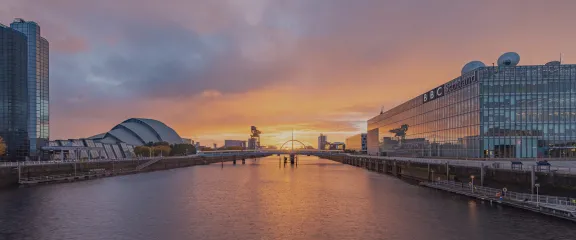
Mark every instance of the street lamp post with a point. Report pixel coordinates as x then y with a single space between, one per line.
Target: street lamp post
537 185
472 186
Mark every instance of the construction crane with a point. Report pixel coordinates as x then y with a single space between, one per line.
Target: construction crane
255 137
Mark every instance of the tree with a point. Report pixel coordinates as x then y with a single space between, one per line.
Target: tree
142 151
2 147
161 150
161 144
182 149
205 149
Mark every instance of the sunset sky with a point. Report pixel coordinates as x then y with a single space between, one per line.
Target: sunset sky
212 68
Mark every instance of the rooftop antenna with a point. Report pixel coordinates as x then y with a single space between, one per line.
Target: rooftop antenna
560 57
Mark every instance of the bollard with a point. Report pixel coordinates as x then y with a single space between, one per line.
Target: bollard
482 174
429 176
532 178
447 171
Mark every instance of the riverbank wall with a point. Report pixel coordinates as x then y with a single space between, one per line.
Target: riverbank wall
12 175
551 183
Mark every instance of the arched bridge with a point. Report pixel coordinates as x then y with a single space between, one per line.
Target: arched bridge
267 152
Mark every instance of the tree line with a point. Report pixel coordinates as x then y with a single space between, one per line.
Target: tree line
164 149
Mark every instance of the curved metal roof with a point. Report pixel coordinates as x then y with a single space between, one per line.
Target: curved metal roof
140 131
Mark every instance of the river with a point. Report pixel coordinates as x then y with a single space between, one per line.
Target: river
318 199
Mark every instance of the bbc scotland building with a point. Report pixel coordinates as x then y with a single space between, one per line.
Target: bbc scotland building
503 111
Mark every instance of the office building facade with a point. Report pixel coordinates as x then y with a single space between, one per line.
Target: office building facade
322 142
38 85
252 143
506 111
357 143
337 146
235 143
13 94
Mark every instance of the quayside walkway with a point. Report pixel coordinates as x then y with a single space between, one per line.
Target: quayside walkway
526 165
550 205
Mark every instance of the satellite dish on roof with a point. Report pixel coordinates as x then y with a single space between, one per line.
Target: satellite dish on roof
552 63
509 59
471 66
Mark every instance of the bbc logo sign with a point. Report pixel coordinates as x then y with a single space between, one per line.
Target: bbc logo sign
434 94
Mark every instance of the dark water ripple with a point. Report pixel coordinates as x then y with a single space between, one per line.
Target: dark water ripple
319 199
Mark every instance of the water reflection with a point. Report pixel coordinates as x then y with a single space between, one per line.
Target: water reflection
319 199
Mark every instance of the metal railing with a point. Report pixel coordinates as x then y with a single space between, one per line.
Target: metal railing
33 163
52 162
564 202
493 164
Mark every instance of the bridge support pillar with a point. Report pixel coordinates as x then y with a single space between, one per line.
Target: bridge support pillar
385 166
368 163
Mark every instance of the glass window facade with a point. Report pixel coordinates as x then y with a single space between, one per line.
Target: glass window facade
357 143
38 85
13 94
492 112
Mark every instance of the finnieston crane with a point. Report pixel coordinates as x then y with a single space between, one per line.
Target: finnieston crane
255 134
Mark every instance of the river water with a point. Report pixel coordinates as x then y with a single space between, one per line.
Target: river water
318 199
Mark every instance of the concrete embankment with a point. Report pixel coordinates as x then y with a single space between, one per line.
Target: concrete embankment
12 175
551 183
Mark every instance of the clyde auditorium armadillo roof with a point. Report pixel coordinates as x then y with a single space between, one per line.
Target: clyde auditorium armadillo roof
139 131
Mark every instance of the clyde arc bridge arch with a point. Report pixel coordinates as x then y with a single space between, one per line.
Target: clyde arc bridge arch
291 141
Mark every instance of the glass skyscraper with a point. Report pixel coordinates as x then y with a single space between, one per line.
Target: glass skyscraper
38 85
489 112
13 93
